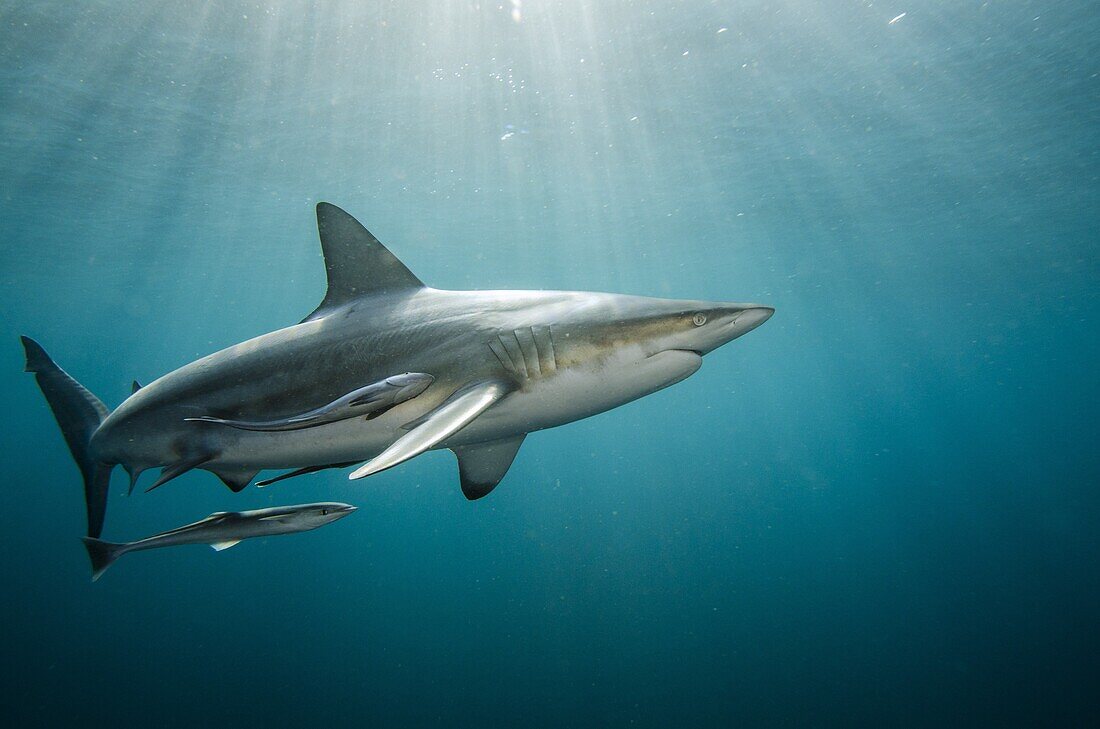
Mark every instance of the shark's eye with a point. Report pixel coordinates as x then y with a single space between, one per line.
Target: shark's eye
324 512
699 319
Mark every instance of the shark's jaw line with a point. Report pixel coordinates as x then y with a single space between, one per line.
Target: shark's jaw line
386 368
696 352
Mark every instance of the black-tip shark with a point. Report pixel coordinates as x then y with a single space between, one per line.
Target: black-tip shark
385 369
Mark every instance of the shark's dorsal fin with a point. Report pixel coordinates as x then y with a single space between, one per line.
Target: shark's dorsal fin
356 263
134 386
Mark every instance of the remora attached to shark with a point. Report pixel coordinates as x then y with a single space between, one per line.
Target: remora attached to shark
385 369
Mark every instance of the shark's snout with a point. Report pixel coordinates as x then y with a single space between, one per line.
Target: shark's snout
752 317
722 323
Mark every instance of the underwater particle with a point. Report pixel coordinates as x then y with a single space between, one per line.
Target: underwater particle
896 19
723 29
685 53
507 135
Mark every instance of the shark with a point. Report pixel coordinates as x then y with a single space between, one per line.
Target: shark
385 369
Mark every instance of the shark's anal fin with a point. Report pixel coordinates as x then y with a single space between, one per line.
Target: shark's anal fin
481 466
443 422
235 478
356 263
219 546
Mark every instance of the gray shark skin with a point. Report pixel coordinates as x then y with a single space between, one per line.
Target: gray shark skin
503 364
222 530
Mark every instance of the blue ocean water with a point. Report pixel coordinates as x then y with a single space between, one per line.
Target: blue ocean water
880 508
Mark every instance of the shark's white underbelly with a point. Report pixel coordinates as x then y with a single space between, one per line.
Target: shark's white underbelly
567 395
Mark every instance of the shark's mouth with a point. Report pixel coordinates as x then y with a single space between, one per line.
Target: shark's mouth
670 366
696 352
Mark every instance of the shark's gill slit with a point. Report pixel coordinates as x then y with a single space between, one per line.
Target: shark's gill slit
526 340
511 344
553 360
502 355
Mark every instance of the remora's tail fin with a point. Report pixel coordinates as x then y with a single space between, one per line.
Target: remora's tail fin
79 413
103 554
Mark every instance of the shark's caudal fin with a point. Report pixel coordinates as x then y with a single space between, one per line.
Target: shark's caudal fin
356 263
78 413
102 554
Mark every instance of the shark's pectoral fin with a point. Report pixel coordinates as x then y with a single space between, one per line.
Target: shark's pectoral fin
481 466
219 546
235 478
437 426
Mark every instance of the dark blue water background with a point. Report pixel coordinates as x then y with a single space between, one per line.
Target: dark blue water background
879 508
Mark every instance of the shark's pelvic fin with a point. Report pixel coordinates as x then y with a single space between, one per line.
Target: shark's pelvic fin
135 473
443 422
356 263
302 472
179 468
235 478
219 546
481 466
371 400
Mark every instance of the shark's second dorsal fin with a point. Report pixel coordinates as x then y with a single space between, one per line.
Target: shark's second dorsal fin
356 263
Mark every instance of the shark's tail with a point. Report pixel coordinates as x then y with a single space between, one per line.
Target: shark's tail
103 554
79 414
